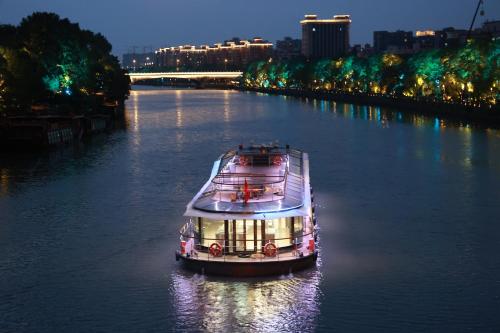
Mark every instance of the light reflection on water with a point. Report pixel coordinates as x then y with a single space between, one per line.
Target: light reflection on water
380 115
286 304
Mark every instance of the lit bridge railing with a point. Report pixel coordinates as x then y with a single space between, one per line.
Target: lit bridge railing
184 75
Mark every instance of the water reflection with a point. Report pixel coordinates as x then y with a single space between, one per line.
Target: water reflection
135 110
178 108
136 134
380 115
289 303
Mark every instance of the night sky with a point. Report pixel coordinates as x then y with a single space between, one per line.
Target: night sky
164 22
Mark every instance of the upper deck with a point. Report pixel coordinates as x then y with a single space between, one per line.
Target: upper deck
254 180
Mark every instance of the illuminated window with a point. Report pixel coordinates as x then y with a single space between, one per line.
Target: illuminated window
279 230
298 228
212 231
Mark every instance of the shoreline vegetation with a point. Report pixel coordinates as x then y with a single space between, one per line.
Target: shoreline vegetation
58 83
461 83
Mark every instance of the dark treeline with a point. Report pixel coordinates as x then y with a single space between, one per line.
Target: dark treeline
49 62
468 76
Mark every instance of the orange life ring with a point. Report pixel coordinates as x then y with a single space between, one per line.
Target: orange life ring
215 249
270 250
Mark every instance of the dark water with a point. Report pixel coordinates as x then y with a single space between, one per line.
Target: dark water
409 209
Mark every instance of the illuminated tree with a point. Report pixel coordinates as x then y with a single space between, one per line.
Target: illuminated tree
48 59
468 75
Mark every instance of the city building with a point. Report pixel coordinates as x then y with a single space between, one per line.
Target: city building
288 48
361 51
492 28
134 61
394 41
449 37
425 40
233 54
404 42
325 38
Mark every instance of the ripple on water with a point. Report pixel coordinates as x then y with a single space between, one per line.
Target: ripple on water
286 303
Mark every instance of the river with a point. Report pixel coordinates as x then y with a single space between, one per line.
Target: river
408 206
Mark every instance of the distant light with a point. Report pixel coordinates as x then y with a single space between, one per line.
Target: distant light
67 91
425 33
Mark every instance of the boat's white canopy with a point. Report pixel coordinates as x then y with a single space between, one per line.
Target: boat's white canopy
295 201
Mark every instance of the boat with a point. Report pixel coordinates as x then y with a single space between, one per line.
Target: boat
253 217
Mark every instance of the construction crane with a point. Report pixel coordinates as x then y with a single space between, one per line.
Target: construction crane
479 4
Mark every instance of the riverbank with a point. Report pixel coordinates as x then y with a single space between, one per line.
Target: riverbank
489 116
65 86
50 128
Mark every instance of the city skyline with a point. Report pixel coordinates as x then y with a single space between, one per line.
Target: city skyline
157 24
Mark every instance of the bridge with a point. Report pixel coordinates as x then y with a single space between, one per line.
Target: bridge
198 76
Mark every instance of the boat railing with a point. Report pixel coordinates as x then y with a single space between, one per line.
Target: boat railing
233 178
194 248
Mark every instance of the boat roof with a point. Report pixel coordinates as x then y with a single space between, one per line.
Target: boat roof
277 178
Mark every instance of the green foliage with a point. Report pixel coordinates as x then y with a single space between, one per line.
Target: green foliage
47 59
468 75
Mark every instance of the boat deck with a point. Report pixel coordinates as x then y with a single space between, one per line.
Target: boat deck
257 257
273 188
284 255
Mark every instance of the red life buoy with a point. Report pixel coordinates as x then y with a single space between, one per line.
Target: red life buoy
215 249
183 247
277 160
270 250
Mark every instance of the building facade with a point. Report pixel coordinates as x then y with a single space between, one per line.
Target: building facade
399 41
404 42
234 54
492 28
137 61
325 38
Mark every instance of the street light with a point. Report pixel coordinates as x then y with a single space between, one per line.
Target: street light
225 65
177 61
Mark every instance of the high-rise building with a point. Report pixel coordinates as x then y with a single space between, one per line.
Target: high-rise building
325 38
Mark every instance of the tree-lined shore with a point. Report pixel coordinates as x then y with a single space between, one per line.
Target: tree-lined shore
51 64
465 78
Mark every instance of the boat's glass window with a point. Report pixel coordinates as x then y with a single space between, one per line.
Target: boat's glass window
230 237
212 231
260 240
196 229
298 228
279 231
250 236
240 235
